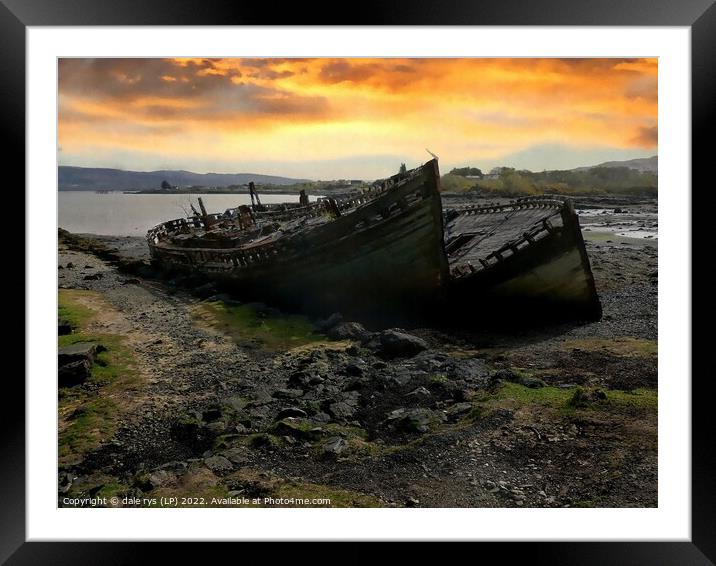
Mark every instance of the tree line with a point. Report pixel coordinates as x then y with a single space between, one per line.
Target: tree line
507 181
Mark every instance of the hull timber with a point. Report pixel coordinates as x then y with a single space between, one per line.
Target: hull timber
527 256
381 253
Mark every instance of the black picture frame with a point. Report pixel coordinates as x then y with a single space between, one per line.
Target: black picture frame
699 15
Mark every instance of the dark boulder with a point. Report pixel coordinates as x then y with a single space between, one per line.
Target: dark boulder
505 375
287 393
218 464
354 370
291 412
63 327
205 291
73 373
327 323
299 429
348 331
532 382
417 420
343 410
395 343
458 410
79 352
334 446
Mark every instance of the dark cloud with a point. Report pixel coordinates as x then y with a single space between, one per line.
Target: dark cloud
590 65
263 62
339 71
271 74
647 136
181 90
131 79
382 74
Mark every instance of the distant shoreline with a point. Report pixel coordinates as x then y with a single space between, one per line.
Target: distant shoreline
278 190
194 191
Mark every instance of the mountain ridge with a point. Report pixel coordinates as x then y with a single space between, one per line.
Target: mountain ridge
73 178
643 164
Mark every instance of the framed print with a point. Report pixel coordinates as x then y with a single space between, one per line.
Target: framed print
421 276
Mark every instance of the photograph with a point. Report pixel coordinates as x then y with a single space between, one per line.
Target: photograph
387 282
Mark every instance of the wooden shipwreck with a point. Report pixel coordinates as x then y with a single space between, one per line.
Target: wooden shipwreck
389 252
379 251
522 257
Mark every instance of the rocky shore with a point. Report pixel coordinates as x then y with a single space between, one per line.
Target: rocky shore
207 401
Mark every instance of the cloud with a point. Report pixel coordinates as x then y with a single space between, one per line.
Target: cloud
341 70
647 136
130 79
645 87
322 110
154 90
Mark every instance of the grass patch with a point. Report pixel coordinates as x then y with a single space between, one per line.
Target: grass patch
256 487
71 310
324 496
474 415
640 399
89 417
621 346
245 323
90 423
567 401
112 489
521 395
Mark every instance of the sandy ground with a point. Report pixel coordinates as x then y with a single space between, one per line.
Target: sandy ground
223 415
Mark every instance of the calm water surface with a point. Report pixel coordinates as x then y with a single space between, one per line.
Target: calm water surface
119 214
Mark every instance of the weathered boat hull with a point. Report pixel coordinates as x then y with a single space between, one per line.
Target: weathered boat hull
538 267
383 259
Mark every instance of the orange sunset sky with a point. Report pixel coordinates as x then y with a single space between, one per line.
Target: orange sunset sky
354 118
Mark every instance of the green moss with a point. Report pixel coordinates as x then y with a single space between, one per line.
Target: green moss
334 429
359 448
475 414
90 423
89 418
112 489
259 486
639 399
521 395
244 323
70 310
516 396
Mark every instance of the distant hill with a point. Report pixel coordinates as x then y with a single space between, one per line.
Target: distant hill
646 164
92 179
